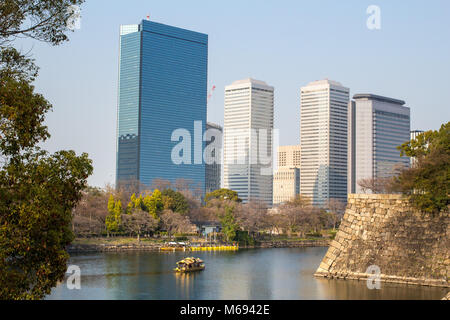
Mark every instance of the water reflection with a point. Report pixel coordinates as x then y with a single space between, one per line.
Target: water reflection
247 275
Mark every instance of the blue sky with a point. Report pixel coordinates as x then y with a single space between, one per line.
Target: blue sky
285 43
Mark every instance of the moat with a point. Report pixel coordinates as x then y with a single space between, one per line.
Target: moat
283 274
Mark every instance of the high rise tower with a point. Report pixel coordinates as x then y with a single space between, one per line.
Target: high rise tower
323 139
378 126
248 129
162 88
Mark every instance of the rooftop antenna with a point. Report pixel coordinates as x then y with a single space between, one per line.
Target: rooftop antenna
148 17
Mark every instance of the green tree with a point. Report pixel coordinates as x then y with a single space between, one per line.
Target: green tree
37 190
154 204
43 20
222 194
427 183
111 204
175 201
229 224
114 219
135 203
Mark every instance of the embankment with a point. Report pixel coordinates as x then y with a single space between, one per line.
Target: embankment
407 246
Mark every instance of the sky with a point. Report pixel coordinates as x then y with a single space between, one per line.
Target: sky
284 43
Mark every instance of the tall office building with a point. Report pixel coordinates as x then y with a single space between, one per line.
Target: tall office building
162 88
414 135
323 139
377 126
248 126
286 180
213 158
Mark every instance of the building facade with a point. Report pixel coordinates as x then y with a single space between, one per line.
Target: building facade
286 180
414 135
323 139
213 158
162 88
378 125
248 127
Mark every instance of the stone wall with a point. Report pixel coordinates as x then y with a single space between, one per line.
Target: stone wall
384 230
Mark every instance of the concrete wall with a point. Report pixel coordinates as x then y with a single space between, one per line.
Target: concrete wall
384 230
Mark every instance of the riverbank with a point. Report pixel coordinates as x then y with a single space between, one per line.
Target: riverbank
386 233
123 245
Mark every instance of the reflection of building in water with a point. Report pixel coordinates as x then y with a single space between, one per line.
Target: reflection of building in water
377 126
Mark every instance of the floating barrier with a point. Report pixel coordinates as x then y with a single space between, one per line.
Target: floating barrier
209 248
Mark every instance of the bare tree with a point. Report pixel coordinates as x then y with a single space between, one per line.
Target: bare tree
336 209
252 217
138 223
174 222
90 213
376 185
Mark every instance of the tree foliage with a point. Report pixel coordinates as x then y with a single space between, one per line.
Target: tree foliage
230 226
43 20
38 190
427 183
222 194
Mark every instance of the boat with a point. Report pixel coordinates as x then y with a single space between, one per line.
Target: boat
189 265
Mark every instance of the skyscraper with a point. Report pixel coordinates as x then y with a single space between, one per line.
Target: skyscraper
378 125
323 139
248 127
414 135
213 158
162 88
286 181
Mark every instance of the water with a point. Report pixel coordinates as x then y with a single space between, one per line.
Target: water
283 274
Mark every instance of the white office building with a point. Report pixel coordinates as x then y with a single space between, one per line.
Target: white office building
377 126
323 139
248 141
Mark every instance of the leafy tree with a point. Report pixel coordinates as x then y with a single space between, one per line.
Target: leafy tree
222 194
114 219
427 183
38 191
111 204
229 224
154 204
44 20
135 203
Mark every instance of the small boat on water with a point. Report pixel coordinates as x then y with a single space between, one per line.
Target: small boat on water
190 265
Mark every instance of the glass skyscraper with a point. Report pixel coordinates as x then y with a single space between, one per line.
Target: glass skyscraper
162 88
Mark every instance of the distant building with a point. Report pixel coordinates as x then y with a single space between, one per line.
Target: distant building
248 126
286 180
377 125
162 88
289 156
323 139
286 185
414 135
213 161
